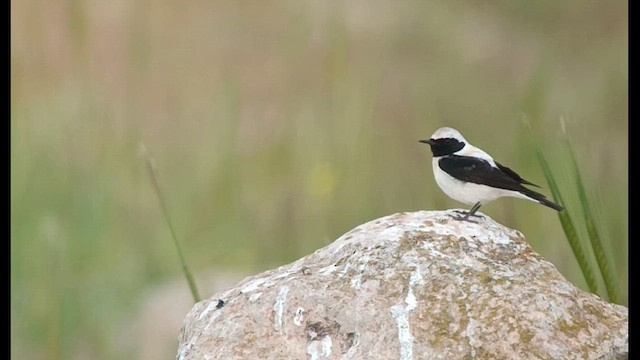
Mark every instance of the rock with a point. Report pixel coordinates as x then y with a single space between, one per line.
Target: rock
409 286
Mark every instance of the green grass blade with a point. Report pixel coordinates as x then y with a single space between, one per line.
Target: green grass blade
594 235
568 227
156 187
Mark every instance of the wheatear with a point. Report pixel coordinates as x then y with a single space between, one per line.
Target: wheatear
471 176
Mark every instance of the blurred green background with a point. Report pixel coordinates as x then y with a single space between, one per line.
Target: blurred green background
275 128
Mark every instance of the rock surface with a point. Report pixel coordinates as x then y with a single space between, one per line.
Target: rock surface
409 286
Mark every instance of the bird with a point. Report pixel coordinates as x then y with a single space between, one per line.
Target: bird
469 175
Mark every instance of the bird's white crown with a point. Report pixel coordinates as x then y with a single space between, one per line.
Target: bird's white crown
447 132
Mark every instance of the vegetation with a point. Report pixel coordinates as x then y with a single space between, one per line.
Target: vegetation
596 245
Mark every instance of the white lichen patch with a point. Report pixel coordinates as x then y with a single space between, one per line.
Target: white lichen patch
210 307
183 352
401 315
326 346
253 285
405 338
431 248
278 307
268 281
415 279
255 296
356 281
346 268
471 332
298 318
313 350
317 349
327 270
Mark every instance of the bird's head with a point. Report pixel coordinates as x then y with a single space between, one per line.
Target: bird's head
445 141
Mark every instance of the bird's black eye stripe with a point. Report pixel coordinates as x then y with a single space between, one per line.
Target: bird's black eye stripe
446 146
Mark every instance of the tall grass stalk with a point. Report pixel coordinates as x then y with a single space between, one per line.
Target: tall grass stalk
156 187
568 227
594 235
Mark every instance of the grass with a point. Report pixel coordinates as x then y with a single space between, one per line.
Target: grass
597 247
604 264
156 187
276 129
569 228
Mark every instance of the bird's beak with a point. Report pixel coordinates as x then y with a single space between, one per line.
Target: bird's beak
430 142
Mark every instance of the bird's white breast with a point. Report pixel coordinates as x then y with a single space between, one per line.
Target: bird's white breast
466 192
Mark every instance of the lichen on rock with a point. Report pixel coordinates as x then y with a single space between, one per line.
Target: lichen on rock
414 285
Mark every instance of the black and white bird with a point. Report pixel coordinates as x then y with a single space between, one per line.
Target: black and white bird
471 176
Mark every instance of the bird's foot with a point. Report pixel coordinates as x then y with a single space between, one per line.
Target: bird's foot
465 217
466 213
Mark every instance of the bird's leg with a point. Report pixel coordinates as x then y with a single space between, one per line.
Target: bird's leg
471 212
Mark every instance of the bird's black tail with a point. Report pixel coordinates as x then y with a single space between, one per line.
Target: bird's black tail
541 199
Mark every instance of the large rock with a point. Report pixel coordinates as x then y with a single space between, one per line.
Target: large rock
409 286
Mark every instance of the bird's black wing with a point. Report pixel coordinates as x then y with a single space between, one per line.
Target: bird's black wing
514 175
479 171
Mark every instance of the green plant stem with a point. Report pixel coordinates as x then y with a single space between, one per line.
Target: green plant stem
185 268
594 235
568 227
